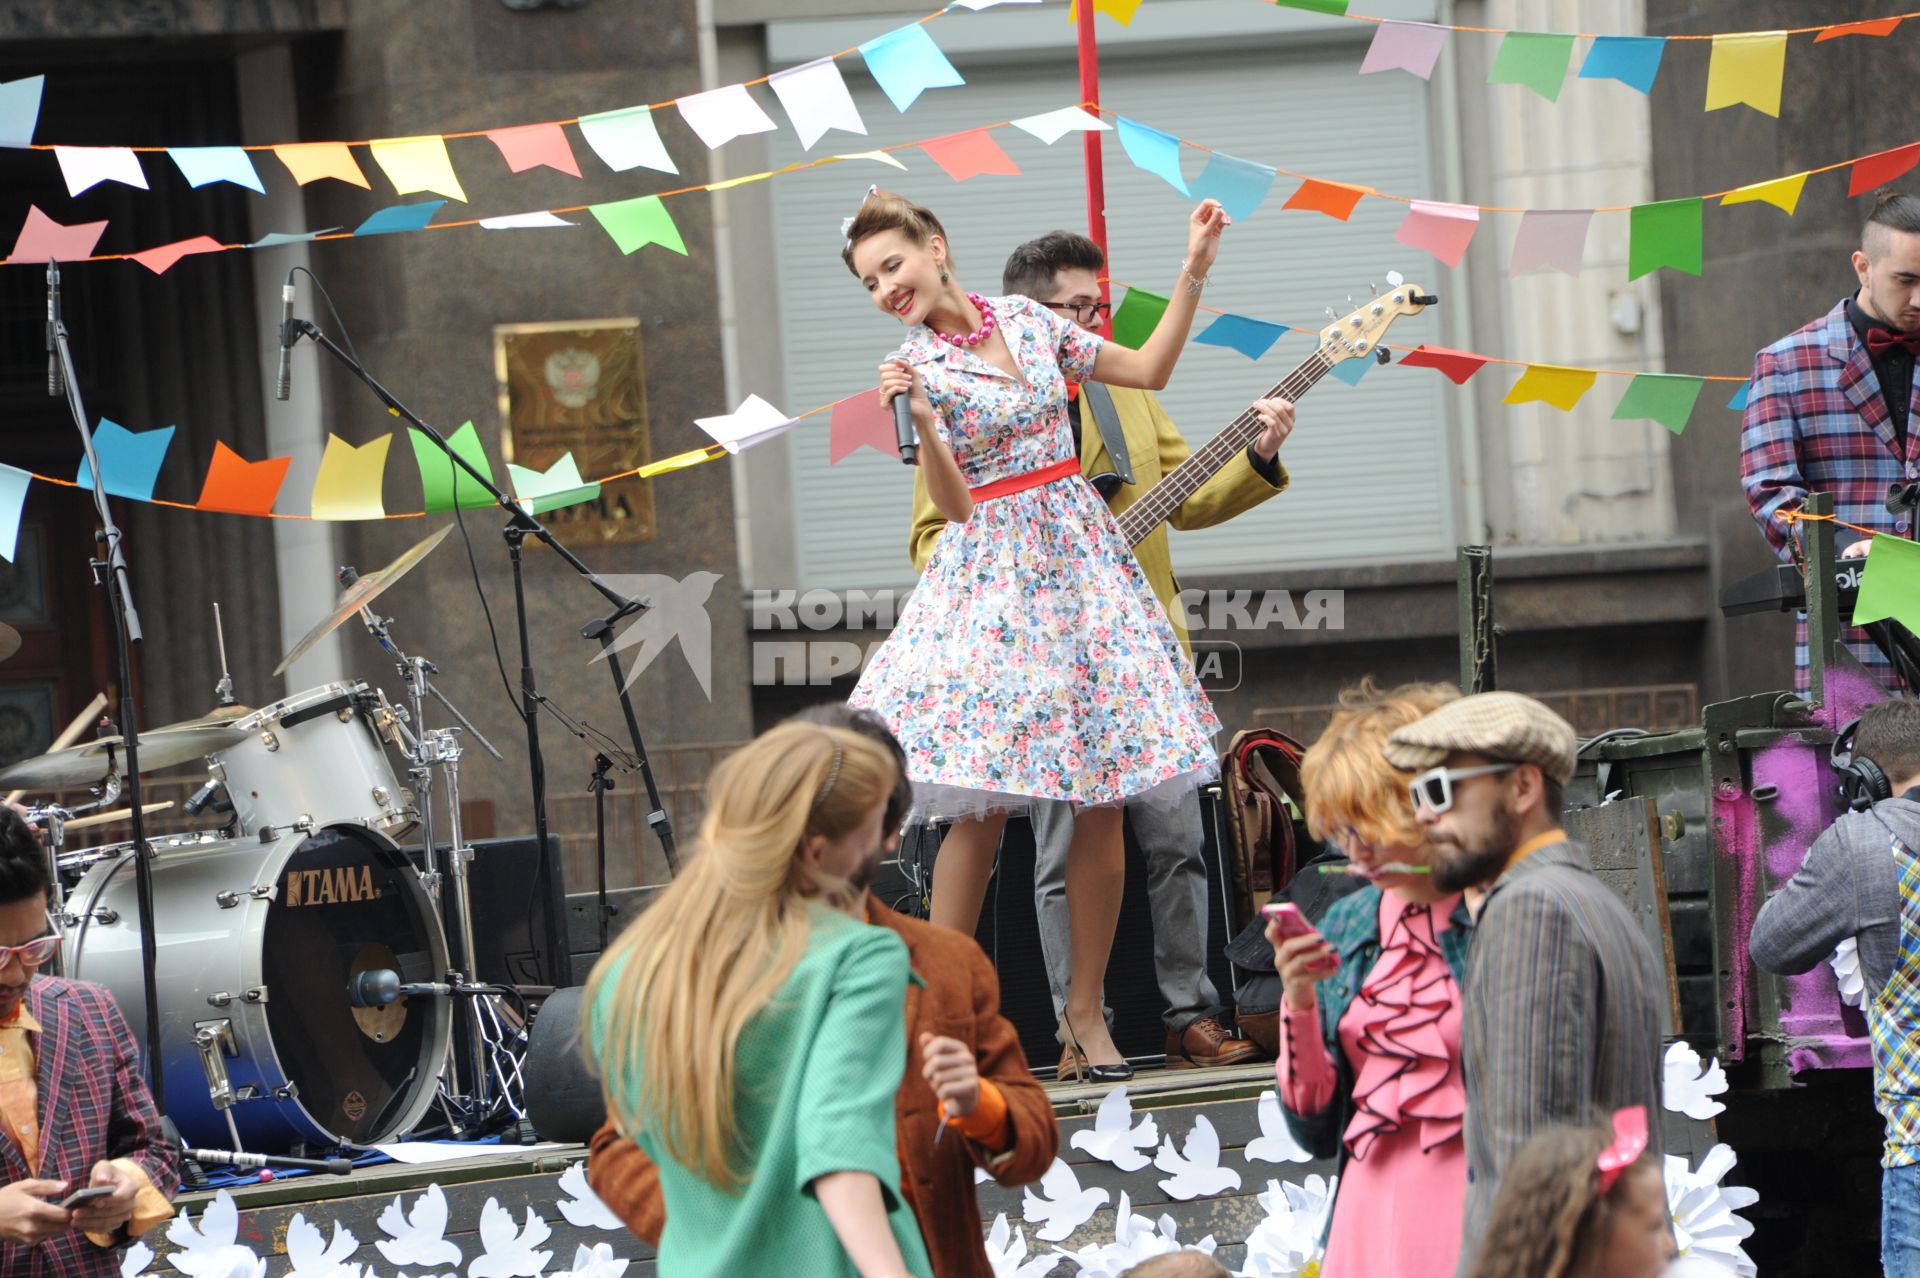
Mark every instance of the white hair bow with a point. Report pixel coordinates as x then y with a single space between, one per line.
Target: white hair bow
846 223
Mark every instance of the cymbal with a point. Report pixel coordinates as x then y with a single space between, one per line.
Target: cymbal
85 764
361 593
9 641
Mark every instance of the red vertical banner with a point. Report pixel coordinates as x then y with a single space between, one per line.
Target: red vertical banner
1090 99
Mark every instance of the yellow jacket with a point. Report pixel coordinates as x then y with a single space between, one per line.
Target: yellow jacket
1156 447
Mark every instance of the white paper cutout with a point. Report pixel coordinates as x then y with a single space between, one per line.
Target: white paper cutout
1007 1253
1061 1206
1704 1223
418 1237
1114 1138
312 1255
816 99
582 1207
1845 961
1195 1172
1275 1144
509 1251
1689 1087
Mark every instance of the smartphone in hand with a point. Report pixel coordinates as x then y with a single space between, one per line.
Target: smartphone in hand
1294 924
81 1197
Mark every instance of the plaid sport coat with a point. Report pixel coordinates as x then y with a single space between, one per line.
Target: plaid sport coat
1816 421
94 1106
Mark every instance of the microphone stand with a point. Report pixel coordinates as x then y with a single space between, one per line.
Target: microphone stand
520 523
111 572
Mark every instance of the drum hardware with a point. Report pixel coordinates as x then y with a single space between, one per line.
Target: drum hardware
259 892
214 1039
258 994
223 689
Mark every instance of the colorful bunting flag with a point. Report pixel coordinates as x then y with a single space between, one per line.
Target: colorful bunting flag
1871 27
19 115
537 220
1413 47
638 222
160 260
204 165
1240 185
718 116
878 157
129 460
534 146
969 154
1746 69
816 99
237 486
1739 401
1335 199
1553 239
1051 126
1889 583
1551 384
1537 59
1666 233
905 63
441 478
1782 193
13 500
754 422
1120 11
1251 337
418 164
1443 230
1153 150
350 479
560 485
1137 316
42 239
627 139
1632 60
1665 397
858 421
274 239
311 161
1870 172
1351 369
1455 366
400 217
85 166
1333 8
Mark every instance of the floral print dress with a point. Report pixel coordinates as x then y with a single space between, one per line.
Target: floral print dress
1032 660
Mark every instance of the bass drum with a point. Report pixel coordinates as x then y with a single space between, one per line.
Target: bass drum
258 943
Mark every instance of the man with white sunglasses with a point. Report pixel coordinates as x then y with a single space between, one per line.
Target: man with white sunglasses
1561 993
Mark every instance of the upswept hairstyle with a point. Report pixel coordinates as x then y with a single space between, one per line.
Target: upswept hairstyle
1550 1219
1031 268
885 211
1893 211
1349 783
688 975
1889 734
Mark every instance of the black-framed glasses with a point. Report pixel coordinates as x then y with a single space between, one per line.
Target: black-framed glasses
1085 312
34 953
1433 789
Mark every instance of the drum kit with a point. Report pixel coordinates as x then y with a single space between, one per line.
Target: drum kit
303 962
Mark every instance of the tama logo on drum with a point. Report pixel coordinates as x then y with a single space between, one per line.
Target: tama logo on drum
340 885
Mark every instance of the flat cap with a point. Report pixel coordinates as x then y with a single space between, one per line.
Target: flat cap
1498 725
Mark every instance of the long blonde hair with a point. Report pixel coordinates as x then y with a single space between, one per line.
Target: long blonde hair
1348 782
688 975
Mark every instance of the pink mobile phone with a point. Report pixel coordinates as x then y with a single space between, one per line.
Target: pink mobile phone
1292 922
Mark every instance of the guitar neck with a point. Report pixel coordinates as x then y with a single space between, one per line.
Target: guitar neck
1186 479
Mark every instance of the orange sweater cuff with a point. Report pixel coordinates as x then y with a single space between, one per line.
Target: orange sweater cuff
987 1124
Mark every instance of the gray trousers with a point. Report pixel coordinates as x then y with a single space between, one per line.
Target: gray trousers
1171 838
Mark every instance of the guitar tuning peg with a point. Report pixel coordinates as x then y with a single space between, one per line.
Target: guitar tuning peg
1330 313
1395 279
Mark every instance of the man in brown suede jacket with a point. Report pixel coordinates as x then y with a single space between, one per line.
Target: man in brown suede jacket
960 1051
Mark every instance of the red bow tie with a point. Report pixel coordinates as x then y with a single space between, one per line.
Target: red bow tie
1879 340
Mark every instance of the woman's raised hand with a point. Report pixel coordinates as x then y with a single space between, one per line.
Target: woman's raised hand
898 378
1203 237
1301 962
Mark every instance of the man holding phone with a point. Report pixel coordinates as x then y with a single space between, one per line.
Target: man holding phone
85 1166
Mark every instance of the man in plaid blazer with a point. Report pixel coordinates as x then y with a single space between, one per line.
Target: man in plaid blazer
74 1110
1829 407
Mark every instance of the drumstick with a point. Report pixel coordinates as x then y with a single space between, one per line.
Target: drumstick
80 724
118 814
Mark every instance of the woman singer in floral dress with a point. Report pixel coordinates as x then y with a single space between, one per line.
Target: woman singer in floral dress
1032 659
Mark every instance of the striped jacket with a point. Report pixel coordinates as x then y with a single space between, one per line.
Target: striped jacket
1816 421
1561 1022
94 1106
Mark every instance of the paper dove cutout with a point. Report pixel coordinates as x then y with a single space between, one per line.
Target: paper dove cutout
1275 1144
1135 1239
135 1262
581 1206
417 1237
510 1252
201 1245
1195 1172
597 1261
1007 1253
1061 1206
1287 1241
1688 1087
980 1176
312 1255
1704 1223
1113 1138
1845 962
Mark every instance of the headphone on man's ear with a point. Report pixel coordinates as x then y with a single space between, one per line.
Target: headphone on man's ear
1862 783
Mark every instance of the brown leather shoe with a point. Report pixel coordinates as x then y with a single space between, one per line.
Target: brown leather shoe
1205 1043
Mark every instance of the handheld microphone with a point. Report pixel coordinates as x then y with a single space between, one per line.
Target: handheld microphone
903 428
53 320
285 379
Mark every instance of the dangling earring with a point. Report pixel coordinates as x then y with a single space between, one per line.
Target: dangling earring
943 275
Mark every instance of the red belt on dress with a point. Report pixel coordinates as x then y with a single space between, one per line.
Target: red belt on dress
1032 479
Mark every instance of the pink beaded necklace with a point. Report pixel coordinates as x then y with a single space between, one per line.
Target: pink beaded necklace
975 338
